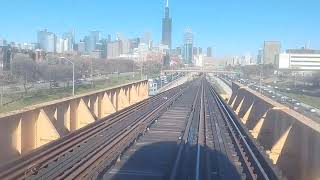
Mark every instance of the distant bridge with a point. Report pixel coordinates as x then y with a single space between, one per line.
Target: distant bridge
200 70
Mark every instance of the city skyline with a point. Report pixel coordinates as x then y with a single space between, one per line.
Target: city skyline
222 25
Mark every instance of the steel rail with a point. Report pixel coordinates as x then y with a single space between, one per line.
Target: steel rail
184 140
201 136
61 145
79 170
242 139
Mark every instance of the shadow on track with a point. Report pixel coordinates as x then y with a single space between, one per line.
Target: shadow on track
154 161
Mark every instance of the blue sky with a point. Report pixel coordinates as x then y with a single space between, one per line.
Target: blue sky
232 26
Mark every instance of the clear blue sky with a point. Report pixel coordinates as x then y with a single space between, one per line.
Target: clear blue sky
232 26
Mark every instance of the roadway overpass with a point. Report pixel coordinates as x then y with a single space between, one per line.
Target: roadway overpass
199 70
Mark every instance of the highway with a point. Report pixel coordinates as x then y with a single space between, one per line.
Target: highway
187 132
277 95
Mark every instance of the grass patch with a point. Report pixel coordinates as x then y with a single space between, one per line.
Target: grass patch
47 95
311 100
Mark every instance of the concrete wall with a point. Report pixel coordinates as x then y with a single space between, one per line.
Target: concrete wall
176 83
291 140
25 130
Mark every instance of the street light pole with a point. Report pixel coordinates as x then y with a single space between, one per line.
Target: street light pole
260 79
1 96
161 73
72 78
141 71
295 80
73 90
91 73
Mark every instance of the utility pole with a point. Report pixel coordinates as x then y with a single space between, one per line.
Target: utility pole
261 78
161 73
133 69
1 96
141 70
295 80
72 78
91 73
73 90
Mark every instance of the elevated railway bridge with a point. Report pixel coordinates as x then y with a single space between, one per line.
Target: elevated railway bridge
187 132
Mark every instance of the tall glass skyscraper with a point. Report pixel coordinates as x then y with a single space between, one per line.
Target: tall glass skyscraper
188 46
270 50
47 41
51 42
167 27
94 38
69 41
42 39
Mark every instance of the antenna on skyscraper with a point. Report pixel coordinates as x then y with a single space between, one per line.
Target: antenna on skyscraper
167 5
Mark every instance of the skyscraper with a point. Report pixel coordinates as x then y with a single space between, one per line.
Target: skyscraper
60 45
195 51
92 40
209 52
81 47
42 39
188 46
167 27
47 41
51 42
260 56
270 50
69 41
200 50
134 43
114 49
86 41
147 39
3 42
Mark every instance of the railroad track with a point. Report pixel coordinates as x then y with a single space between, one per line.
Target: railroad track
216 146
152 156
254 163
57 160
188 132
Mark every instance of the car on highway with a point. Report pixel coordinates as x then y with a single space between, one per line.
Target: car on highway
284 98
54 84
